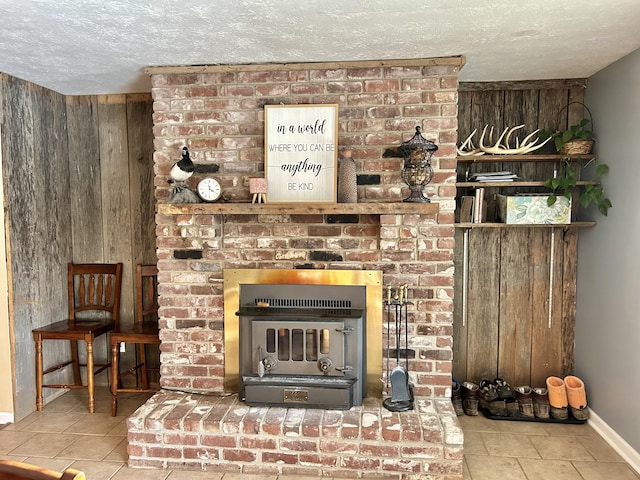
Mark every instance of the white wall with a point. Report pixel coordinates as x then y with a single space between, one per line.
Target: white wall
607 350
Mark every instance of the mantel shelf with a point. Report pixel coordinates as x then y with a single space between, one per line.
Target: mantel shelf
370 208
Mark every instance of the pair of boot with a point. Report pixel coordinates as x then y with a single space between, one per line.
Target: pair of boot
566 396
498 398
532 402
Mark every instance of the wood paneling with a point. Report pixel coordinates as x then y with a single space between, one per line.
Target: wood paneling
77 177
520 292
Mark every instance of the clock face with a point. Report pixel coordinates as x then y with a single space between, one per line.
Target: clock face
209 189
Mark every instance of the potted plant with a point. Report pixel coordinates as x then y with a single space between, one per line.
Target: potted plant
593 193
576 140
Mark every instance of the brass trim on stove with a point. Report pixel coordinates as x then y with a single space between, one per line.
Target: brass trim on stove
371 279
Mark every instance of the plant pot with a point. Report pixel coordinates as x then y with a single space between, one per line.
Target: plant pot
577 147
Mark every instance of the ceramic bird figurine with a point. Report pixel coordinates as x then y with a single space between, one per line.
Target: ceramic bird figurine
182 169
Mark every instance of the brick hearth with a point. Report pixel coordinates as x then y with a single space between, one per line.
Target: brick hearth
218 113
221 433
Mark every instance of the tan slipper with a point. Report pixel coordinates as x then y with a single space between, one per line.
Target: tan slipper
557 398
576 397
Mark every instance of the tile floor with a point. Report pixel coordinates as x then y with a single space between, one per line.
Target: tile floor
64 435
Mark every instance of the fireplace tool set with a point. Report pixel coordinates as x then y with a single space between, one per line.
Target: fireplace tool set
401 398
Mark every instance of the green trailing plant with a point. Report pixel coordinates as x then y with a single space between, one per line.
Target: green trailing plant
592 194
579 131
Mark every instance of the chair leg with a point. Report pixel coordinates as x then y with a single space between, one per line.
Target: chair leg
90 373
115 374
143 369
76 362
39 375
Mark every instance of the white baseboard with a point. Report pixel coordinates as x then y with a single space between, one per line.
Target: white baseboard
631 456
6 417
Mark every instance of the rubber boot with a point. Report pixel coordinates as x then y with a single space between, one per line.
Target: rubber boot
557 398
540 397
577 397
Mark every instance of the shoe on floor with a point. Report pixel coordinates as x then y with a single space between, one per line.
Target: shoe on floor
540 397
558 402
525 401
504 389
488 391
456 397
576 397
470 396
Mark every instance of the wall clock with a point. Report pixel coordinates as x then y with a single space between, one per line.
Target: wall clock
209 189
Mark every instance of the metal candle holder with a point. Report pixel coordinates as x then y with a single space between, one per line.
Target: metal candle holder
417 171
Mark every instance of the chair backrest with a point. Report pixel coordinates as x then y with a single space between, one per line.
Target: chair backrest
146 293
10 470
94 287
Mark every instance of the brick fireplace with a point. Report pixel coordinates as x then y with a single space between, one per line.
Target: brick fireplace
196 422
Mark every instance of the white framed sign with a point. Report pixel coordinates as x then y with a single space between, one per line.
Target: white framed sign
301 153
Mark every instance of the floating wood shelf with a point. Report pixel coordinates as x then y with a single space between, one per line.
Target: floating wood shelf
540 225
522 158
513 184
370 208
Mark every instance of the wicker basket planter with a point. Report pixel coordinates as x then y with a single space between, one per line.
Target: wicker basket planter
577 147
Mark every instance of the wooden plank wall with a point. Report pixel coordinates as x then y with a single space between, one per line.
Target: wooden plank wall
508 330
77 177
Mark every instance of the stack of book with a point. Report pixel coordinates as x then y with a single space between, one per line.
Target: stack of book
473 207
493 177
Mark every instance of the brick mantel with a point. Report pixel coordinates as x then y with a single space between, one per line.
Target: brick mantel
217 112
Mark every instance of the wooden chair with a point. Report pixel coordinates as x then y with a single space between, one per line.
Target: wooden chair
144 331
10 470
94 309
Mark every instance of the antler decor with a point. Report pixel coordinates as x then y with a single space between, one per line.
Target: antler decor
528 145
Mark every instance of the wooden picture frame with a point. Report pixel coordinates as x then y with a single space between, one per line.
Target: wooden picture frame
301 153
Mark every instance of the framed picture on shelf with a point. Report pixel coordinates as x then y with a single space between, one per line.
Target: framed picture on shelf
301 153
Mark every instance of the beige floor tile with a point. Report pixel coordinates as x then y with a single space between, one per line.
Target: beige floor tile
600 450
478 423
95 424
73 401
194 475
509 445
10 440
473 444
466 475
44 445
483 467
15 458
524 427
88 447
561 448
55 464
126 473
571 429
549 469
119 429
57 422
98 470
605 471
119 453
251 476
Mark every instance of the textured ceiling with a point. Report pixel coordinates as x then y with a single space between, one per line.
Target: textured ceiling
80 47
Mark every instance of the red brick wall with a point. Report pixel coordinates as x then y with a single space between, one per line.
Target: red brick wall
217 112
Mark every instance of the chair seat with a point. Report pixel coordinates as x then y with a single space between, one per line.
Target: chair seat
66 329
136 333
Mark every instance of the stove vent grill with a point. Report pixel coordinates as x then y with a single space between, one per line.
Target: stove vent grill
304 302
